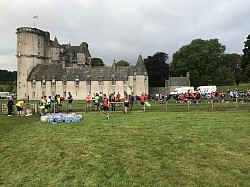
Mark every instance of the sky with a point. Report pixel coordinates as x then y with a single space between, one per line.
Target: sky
124 29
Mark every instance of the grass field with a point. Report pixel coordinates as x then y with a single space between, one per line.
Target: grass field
134 149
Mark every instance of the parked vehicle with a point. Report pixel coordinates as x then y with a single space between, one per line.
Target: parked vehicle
182 90
203 90
4 95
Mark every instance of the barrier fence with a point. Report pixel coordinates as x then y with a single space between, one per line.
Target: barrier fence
150 106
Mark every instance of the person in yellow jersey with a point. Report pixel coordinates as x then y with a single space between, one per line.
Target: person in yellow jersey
59 103
42 105
20 106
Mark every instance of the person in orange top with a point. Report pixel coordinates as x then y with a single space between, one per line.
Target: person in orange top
105 108
142 98
126 103
88 98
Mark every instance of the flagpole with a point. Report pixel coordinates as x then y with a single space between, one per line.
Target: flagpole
35 17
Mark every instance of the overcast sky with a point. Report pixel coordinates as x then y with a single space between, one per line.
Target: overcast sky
123 29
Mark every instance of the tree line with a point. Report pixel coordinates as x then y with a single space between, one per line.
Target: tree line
8 76
205 60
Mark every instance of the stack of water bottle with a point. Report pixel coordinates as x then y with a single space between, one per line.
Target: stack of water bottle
55 118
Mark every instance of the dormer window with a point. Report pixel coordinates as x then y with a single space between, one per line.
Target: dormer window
125 82
100 81
112 80
43 81
53 82
88 82
64 81
134 76
34 81
77 81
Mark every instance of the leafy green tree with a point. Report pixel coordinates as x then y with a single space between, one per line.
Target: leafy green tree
246 60
121 63
8 76
233 61
224 76
97 62
9 88
157 68
201 58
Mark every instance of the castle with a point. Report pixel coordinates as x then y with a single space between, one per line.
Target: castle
45 67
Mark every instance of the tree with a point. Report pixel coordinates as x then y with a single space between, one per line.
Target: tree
246 60
233 62
121 63
201 58
158 69
97 62
224 76
8 76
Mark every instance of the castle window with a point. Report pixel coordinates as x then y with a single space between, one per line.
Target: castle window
125 82
19 54
53 93
113 82
20 64
64 81
19 44
43 93
77 82
134 75
145 80
43 81
34 81
19 84
88 82
100 81
53 82
33 95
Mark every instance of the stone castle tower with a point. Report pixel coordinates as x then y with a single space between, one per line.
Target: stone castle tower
35 47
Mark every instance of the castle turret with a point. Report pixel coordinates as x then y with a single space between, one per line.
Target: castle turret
29 53
55 52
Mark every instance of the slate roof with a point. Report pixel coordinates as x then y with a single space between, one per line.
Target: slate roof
83 73
56 71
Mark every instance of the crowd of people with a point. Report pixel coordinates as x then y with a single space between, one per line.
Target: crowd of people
221 96
103 102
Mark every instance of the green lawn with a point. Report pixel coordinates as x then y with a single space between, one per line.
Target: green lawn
134 149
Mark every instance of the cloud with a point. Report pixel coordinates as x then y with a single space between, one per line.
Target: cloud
121 30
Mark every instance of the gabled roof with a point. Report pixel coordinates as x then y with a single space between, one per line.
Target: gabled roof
55 71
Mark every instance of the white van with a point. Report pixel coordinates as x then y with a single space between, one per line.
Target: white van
206 89
182 90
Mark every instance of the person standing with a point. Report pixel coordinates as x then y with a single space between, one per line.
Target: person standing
97 102
131 99
105 108
42 105
20 106
126 103
142 98
49 104
10 106
112 100
88 98
70 100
